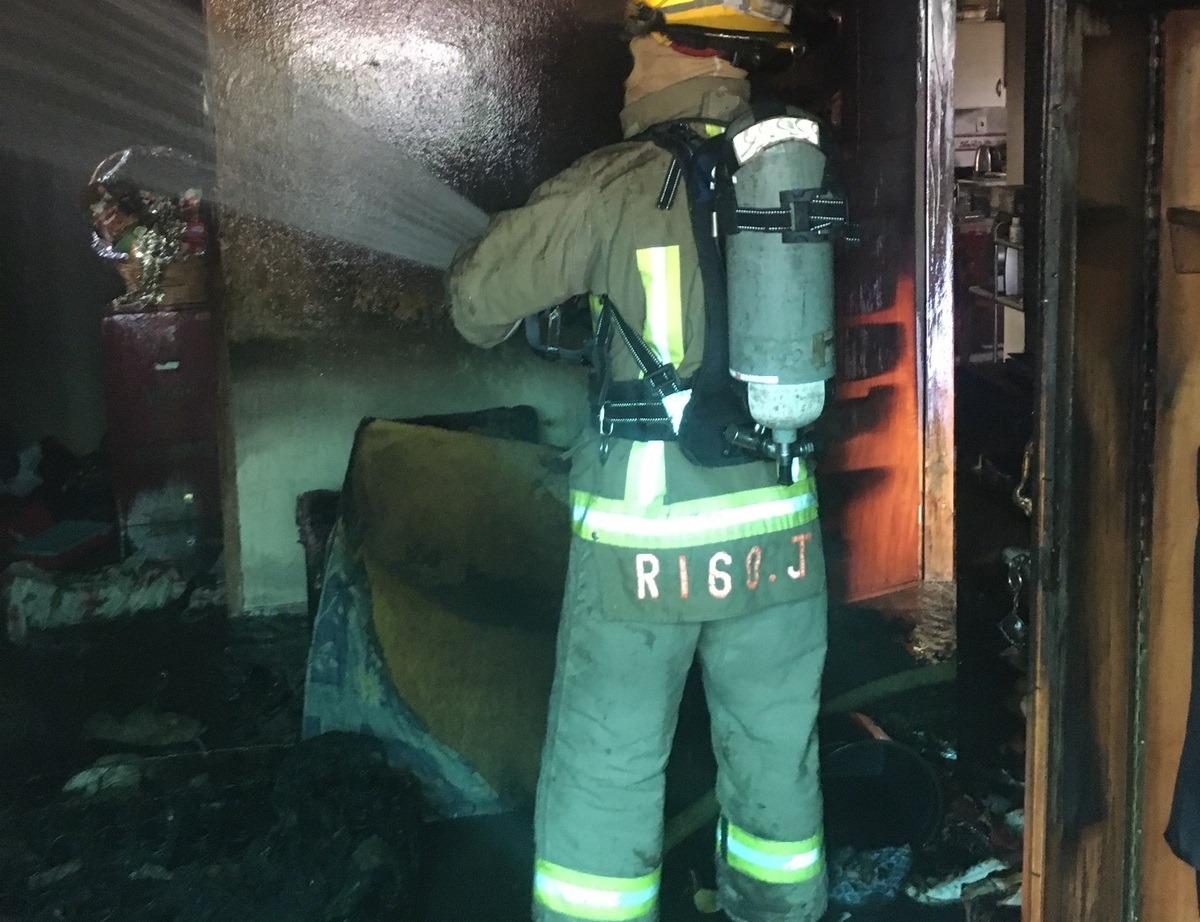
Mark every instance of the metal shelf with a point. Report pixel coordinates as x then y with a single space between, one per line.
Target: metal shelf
998 301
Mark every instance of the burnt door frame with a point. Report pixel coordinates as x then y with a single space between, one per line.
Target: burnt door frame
1065 845
1054 69
934 278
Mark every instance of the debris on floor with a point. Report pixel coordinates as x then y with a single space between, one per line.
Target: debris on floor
319 832
144 727
915 828
868 878
944 891
117 773
980 845
38 600
160 682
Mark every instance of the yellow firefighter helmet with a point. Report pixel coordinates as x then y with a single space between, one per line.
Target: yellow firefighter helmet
767 17
732 26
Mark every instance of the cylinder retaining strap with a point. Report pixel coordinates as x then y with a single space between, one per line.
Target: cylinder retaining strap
804 216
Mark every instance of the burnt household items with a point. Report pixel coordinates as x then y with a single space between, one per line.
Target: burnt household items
669 559
56 511
883 804
912 831
157 240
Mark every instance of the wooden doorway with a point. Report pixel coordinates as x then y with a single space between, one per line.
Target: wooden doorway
1092 164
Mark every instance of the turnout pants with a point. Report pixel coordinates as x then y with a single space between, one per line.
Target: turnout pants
613 710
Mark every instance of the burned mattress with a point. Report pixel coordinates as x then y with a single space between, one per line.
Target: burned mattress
436 625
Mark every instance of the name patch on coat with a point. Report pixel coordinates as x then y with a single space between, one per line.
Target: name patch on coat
719 574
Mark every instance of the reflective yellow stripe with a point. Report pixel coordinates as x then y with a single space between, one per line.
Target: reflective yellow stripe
646 475
663 330
589 896
768 860
692 523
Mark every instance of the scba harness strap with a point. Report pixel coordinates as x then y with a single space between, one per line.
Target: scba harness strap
660 406
709 416
647 410
813 215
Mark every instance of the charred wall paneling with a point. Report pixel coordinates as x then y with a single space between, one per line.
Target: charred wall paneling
873 489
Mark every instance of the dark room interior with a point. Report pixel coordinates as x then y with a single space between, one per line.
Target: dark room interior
283 556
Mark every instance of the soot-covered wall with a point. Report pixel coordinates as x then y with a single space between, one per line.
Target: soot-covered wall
490 97
323 104
872 483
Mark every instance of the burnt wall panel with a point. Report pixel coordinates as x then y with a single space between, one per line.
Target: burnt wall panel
872 482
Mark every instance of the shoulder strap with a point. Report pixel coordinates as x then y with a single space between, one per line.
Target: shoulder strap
651 408
697 157
680 139
661 376
717 400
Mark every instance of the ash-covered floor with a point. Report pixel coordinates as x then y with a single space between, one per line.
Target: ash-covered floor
190 797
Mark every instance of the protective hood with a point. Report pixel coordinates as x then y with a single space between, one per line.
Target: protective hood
657 66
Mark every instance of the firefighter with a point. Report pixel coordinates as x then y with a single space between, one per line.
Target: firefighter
670 560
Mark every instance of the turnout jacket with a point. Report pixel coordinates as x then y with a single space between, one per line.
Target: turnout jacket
671 541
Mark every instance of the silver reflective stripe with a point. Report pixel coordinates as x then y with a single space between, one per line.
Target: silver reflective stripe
590 896
646 474
771 131
684 526
768 860
795 862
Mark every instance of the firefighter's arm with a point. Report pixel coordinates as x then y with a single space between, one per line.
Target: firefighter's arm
528 259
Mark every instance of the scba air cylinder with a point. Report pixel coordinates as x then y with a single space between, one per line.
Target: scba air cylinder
780 284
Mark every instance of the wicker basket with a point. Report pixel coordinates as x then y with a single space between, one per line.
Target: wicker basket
184 281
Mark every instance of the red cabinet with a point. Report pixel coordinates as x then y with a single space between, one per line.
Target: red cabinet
161 386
